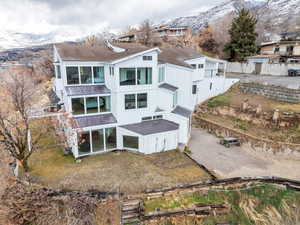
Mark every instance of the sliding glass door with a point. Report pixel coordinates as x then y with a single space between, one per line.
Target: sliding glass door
97 141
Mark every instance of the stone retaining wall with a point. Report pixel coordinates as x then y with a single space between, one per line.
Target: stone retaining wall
273 92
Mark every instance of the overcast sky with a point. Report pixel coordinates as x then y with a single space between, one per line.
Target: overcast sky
91 16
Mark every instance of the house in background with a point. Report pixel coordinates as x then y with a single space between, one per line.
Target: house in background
286 50
172 31
127 96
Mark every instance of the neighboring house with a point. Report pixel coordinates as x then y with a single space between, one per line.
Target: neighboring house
132 97
128 38
171 31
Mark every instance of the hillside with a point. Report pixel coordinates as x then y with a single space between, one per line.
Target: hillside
283 13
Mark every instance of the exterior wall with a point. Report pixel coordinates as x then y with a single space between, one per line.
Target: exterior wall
182 78
211 87
160 142
280 69
184 127
198 73
134 115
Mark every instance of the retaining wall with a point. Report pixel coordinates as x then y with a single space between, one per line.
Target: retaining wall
275 69
273 92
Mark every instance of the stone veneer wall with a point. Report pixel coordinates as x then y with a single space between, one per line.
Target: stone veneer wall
273 92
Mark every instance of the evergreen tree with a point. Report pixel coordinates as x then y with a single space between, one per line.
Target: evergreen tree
242 37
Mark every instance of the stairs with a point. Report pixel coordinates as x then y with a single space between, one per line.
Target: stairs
130 212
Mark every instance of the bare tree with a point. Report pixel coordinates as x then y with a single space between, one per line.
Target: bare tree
17 96
145 33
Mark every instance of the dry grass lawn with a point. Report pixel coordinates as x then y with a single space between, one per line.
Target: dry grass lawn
114 171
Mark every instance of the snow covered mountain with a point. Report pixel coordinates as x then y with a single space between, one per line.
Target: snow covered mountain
276 12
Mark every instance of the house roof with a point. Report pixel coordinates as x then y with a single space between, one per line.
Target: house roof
178 56
168 87
151 127
80 52
179 110
87 90
96 120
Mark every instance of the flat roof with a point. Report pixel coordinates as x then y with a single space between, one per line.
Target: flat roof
179 110
152 127
169 87
95 120
87 90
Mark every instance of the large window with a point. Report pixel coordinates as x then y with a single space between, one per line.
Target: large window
175 98
84 145
194 89
78 106
72 75
135 76
86 75
98 74
130 101
58 71
142 100
111 138
97 140
127 76
161 74
131 142
133 101
144 75
91 105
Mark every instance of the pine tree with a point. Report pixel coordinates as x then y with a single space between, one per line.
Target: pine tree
242 37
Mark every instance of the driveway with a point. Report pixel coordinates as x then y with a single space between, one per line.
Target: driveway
240 161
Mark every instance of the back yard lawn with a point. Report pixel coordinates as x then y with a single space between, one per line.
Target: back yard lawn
124 171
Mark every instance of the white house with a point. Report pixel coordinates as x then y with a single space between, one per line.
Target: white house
127 96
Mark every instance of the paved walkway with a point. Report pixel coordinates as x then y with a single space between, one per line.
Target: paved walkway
240 161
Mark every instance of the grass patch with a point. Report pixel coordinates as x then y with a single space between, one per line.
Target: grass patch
220 100
242 125
247 207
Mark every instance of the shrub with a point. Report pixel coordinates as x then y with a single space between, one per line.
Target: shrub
220 100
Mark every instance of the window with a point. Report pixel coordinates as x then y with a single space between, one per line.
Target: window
147 58
142 100
111 138
84 145
194 89
175 96
130 101
131 142
276 50
98 140
72 75
134 76
111 70
58 72
91 105
127 76
210 86
144 75
78 106
86 75
161 74
104 103
200 66
194 66
158 117
98 74
147 118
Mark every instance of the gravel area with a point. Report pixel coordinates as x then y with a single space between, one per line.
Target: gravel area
240 161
